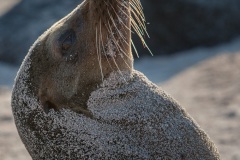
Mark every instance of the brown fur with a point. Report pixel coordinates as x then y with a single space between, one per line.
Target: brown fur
65 80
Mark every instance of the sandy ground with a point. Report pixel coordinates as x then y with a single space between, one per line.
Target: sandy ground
11 147
209 90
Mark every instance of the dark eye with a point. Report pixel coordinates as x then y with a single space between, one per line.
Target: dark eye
67 43
67 40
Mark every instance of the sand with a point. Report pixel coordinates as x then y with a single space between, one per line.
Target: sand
11 147
210 92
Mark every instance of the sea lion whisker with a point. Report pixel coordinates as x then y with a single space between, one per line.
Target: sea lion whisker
128 16
103 48
135 49
114 41
136 26
117 45
137 6
141 21
138 3
118 31
98 54
113 21
140 36
126 62
131 40
137 29
120 20
119 69
109 29
120 50
122 11
114 24
132 8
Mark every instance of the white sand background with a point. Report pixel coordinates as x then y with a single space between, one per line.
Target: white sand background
206 81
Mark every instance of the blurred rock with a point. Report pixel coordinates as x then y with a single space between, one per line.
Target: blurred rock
177 25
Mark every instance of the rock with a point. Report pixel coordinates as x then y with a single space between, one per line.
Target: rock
177 25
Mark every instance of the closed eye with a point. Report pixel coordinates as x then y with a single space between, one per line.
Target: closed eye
67 40
67 43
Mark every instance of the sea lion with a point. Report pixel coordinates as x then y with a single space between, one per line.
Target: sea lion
77 96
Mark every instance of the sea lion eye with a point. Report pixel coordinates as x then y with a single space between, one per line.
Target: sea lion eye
67 43
67 40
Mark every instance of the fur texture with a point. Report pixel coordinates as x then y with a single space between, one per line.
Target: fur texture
132 119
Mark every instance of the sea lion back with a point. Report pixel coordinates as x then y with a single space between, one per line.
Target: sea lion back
154 125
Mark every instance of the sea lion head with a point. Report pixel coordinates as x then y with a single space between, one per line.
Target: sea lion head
73 57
